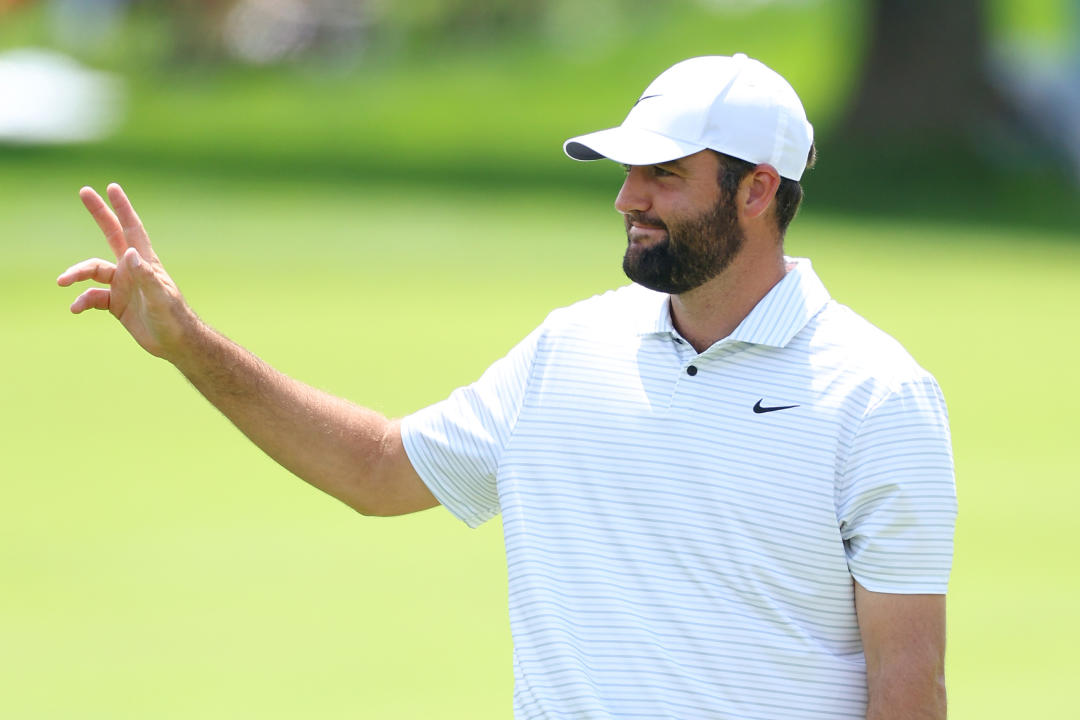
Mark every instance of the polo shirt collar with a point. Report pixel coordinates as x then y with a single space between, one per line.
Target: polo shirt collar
774 321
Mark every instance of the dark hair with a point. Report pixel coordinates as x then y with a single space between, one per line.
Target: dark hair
789 194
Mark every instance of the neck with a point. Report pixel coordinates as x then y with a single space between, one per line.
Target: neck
710 312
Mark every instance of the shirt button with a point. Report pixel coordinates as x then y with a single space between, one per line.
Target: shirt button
691 370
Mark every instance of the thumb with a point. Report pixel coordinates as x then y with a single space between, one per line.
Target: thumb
133 261
147 277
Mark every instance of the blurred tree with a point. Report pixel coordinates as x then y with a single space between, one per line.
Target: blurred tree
926 79
924 69
429 22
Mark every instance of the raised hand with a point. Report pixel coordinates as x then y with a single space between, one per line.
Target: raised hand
140 294
354 454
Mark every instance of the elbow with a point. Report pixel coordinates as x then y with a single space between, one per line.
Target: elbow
369 496
382 481
906 694
941 697
371 509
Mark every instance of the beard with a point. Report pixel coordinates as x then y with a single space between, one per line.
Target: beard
691 252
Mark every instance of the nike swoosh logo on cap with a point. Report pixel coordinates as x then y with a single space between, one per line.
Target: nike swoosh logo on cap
643 97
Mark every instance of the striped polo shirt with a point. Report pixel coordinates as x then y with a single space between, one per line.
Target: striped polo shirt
682 528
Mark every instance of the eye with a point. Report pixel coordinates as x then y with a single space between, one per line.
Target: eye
655 170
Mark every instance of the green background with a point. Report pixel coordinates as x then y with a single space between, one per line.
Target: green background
385 234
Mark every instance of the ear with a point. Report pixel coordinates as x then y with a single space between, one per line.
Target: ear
758 190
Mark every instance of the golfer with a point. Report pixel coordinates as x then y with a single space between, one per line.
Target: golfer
724 494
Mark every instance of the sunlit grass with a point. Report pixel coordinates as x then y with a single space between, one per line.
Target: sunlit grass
156 565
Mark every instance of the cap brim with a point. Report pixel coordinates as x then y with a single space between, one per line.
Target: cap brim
629 146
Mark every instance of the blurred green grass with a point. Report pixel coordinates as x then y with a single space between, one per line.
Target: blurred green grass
156 565
486 113
385 235
494 113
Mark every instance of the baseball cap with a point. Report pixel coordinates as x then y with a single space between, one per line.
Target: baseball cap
734 105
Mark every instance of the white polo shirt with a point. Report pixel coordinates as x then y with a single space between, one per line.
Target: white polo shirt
682 529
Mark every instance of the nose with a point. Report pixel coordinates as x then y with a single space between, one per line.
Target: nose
633 195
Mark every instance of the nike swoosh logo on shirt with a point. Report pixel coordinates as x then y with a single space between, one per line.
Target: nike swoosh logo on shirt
759 409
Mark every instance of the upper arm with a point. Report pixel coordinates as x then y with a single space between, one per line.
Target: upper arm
456 445
896 493
904 642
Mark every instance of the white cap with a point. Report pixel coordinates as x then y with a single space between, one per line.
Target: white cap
734 105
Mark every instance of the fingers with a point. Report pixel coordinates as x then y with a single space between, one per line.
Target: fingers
134 232
92 299
97 298
95 269
105 219
122 228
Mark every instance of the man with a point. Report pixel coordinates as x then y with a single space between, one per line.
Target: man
723 494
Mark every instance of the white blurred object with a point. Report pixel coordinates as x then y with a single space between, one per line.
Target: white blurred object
744 6
265 32
47 97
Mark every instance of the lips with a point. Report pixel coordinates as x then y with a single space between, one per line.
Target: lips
639 229
637 232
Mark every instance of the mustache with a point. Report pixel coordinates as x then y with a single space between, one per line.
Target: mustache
643 219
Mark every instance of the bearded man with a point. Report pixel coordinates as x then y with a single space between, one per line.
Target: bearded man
724 495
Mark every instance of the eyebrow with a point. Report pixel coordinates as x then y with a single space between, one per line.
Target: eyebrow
676 163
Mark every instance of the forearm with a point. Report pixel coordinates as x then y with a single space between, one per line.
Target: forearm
354 454
345 450
906 695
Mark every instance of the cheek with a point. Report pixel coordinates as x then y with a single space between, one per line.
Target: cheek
685 202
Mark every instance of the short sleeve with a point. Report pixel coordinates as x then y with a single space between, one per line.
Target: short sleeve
455 445
897 495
